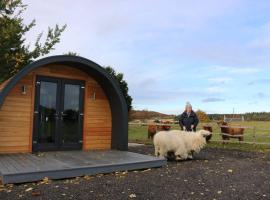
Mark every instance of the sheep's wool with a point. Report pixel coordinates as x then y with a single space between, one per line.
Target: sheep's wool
183 144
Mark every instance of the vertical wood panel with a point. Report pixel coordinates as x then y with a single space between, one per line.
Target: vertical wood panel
98 123
16 117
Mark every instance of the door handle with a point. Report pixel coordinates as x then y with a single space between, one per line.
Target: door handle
56 115
63 114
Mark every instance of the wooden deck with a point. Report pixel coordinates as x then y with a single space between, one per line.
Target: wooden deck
25 167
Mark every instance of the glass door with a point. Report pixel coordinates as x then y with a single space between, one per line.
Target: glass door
72 114
46 114
58 115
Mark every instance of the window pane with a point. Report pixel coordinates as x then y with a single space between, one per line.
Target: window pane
47 109
71 113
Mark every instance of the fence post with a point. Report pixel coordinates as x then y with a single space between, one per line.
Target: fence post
254 135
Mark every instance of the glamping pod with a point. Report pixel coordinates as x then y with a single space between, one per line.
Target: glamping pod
62 103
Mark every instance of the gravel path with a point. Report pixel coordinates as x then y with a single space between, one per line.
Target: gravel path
213 174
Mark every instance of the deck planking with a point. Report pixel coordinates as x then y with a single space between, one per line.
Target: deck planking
27 167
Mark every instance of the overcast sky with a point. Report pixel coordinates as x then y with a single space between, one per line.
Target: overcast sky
215 54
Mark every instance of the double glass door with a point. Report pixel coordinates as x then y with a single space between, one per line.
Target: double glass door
58 115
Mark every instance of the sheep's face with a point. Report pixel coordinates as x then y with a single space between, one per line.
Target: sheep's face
204 133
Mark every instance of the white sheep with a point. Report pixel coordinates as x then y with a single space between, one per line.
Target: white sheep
169 141
182 143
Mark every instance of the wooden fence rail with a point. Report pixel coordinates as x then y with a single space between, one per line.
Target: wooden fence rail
254 135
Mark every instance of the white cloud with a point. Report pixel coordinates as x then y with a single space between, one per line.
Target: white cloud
215 90
235 70
253 103
220 80
264 81
212 99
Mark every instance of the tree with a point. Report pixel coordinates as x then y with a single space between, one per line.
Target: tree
71 53
202 116
14 52
122 84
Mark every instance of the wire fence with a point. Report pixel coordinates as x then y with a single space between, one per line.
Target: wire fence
251 134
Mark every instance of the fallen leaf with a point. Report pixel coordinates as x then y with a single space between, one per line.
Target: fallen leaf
87 177
132 196
146 170
45 180
230 170
28 189
36 193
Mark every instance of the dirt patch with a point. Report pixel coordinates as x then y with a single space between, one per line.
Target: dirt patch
213 174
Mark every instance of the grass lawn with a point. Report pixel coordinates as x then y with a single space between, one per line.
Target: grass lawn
138 134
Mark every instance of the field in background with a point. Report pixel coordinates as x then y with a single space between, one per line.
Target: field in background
138 133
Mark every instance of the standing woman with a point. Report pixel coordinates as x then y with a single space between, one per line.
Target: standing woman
188 120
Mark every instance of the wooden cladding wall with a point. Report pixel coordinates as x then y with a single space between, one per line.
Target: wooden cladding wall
16 114
16 118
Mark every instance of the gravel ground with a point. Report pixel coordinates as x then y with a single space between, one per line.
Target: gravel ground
213 174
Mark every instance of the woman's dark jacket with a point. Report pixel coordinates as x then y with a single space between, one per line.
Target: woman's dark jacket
187 121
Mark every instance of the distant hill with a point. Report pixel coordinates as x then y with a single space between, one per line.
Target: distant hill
252 116
145 114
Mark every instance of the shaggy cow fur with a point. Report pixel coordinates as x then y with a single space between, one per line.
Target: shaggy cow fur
233 132
210 129
182 143
154 128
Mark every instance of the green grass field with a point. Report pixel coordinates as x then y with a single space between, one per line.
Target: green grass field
138 133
